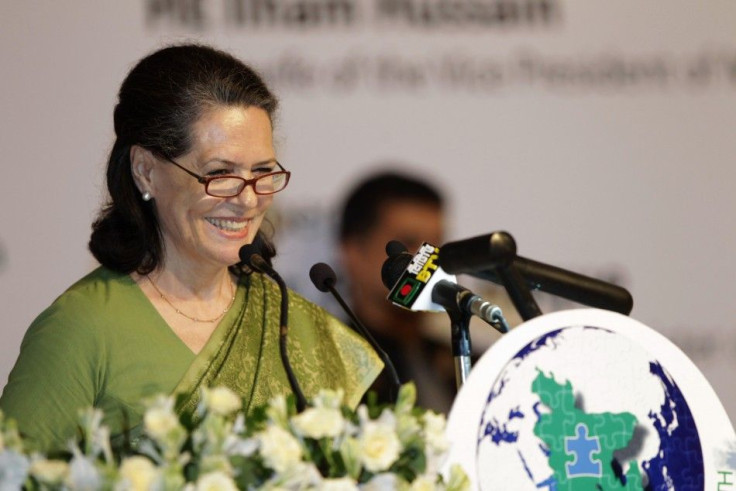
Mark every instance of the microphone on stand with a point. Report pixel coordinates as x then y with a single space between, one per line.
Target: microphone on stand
251 257
324 279
426 287
418 283
485 256
445 292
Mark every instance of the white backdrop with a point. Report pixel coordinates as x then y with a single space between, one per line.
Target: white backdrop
600 134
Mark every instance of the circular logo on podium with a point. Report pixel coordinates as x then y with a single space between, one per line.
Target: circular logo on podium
590 399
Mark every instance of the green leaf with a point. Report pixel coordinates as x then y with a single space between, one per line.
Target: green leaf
410 464
350 450
250 472
458 480
406 399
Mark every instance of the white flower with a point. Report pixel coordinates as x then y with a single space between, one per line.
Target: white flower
436 443
97 435
83 475
280 450
303 475
243 447
423 483
215 463
358 445
319 422
138 474
13 469
222 400
329 398
215 481
160 421
379 446
387 417
338 484
408 427
382 482
49 471
277 412
239 424
434 431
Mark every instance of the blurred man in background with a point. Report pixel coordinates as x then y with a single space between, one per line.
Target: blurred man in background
384 207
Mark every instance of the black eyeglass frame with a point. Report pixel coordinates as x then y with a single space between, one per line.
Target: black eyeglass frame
246 182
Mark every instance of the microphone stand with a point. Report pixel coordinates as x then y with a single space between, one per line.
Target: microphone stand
497 251
460 329
324 279
261 265
460 334
519 292
395 382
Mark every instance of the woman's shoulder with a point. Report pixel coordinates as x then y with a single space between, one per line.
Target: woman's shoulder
99 281
88 298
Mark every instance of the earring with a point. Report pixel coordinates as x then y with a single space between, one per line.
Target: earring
147 196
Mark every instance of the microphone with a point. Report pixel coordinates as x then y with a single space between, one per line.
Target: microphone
324 279
251 257
394 248
446 292
478 253
484 256
418 283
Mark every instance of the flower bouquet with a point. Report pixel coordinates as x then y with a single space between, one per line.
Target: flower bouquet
328 446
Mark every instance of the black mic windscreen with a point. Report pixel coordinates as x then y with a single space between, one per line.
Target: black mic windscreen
246 253
323 276
394 248
393 267
478 253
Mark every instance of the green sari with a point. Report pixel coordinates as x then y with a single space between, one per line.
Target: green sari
322 352
103 344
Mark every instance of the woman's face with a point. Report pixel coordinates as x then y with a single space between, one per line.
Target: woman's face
201 230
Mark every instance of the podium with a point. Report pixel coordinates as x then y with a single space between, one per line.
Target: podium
590 399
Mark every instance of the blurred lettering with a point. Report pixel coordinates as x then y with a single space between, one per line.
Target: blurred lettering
726 480
305 13
430 13
185 12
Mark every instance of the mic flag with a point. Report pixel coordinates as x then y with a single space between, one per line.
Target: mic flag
420 284
413 290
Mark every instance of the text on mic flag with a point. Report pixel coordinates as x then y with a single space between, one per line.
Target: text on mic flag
411 291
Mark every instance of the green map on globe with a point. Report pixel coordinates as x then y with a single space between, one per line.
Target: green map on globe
580 444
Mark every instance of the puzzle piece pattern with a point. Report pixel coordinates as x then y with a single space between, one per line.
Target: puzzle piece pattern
581 445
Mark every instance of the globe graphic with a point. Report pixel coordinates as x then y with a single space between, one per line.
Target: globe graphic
587 408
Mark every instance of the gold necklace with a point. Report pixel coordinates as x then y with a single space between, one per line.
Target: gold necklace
163 297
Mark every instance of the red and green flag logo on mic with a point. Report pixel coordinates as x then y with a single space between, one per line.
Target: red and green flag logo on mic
415 276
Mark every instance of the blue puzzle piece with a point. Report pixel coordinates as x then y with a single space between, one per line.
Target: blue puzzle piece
583 448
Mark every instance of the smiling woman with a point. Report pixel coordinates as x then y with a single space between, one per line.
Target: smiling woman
190 177
201 231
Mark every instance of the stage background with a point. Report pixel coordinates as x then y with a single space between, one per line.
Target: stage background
600 134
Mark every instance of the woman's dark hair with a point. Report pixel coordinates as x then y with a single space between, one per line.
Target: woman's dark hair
158 103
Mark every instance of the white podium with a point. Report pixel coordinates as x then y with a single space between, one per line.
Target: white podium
589 399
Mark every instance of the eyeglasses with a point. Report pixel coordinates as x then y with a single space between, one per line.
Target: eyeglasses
230 186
